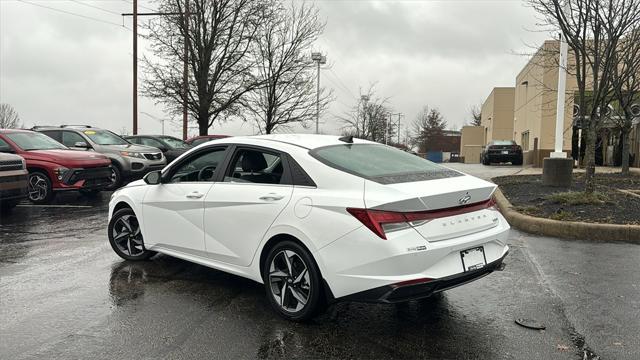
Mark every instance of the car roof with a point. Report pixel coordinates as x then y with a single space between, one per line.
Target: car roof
307 141
9 131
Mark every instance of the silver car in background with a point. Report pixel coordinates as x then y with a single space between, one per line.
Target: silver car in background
130 161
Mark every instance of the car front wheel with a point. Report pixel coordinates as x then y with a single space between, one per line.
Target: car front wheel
293 282
125 236
40 188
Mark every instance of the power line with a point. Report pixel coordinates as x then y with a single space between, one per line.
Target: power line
340 81
95 7
72 13
140 6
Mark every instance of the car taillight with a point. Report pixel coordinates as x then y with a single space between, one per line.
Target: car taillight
380 221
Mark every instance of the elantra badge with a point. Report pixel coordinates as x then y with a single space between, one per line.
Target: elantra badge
465 199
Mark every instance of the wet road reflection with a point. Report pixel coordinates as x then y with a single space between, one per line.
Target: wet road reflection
65 294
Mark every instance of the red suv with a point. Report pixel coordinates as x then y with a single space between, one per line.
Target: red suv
54 167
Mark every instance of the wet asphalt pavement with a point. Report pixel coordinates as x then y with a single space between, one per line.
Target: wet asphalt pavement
64 294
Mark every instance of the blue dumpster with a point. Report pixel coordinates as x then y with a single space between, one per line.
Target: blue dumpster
435 156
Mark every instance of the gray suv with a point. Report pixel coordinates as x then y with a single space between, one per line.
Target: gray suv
129 160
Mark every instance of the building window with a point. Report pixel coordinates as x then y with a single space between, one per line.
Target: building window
524 140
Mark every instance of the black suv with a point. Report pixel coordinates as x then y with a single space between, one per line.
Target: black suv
501 151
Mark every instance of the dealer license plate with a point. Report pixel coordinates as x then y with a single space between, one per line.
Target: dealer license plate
505 152
473 259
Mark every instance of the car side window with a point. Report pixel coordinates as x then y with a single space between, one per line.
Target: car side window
200 167
55 135
255 166
70 138
5 147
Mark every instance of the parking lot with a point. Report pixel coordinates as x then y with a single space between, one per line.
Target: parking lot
65 294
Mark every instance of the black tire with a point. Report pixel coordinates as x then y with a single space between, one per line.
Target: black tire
485 161
116 177
310 285
40 188
517 162
131 245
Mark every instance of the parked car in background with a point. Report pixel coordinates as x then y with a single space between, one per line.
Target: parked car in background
53 167
314 219
129 161
501 151
197 140
13 178
170 146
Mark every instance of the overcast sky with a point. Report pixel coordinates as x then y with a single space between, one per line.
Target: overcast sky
59 68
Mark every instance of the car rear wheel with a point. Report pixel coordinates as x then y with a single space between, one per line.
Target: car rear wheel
40 189
125 236
293 282
486 161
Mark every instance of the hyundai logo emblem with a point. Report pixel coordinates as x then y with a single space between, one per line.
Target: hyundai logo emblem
465 199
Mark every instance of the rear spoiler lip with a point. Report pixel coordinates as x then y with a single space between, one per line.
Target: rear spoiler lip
450 211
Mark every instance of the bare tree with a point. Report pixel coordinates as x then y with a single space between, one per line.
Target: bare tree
625 81
476 115
592 29
427 127
369 119
9 118
284 67
221 33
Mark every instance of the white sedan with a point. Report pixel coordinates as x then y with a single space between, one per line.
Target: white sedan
315 218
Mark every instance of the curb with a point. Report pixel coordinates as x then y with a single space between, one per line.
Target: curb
566 229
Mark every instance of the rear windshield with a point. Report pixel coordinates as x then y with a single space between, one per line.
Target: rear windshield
503 142
380 163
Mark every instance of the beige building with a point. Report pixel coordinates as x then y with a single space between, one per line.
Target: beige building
536 94
497 114
471 143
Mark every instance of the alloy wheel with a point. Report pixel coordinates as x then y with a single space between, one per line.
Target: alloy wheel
289 281
127 236
38 187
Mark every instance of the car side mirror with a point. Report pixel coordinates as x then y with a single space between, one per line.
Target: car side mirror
81 144
153 177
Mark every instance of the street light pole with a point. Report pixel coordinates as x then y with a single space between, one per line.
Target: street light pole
365 100
319 59
135 67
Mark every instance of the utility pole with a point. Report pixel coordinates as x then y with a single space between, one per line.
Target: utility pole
185 72
135 67
185 75
320 60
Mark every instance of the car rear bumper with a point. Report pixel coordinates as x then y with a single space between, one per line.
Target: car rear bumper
399 293
361 261
504 157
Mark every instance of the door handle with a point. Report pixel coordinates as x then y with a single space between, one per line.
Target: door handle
272 197
195 195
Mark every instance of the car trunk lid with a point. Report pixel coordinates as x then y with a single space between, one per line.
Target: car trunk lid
437 209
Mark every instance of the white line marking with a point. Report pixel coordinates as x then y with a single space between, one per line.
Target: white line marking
55 206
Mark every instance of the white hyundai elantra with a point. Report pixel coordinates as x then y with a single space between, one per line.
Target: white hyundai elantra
315 218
